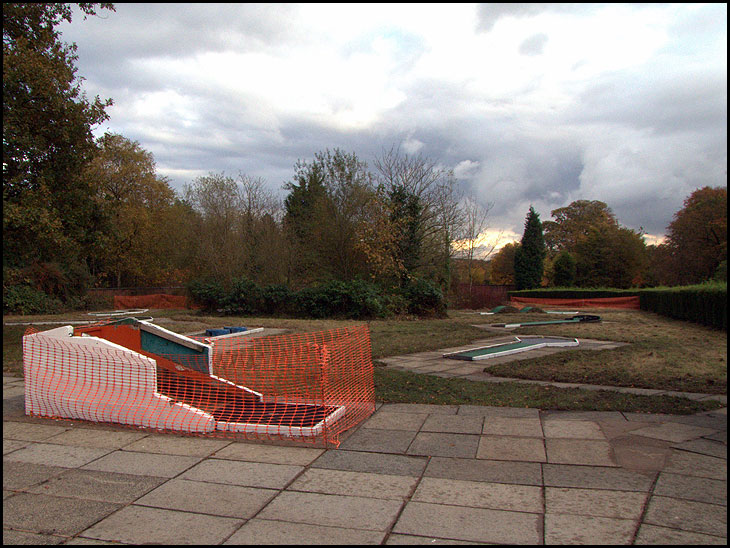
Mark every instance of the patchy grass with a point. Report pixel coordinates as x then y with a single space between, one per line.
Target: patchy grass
404 387
661 354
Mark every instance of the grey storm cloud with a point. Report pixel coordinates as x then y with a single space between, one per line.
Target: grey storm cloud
530 104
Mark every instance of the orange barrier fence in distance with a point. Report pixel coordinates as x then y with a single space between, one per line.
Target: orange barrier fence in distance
631 303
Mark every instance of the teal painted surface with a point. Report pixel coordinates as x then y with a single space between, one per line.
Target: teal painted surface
175 352
469 354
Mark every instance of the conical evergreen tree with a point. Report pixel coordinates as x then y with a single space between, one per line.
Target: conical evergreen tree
530 256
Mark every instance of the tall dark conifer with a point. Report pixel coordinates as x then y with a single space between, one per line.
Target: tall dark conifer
530 256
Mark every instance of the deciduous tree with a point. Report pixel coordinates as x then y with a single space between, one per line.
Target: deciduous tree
48 214
697 236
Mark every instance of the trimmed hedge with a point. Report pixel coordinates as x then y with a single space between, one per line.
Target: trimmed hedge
574 293
705 304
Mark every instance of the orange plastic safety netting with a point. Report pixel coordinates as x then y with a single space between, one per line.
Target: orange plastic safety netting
307 387
598 302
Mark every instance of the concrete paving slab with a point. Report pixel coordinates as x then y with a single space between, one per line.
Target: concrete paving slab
46 514
379 440
720 436
12 538
596 416
100 486
596 477
509 426
273 454
663 536
88 437
30 432
691 488
259 532
10 391
673 431
249 474
511 448
687 515
396 421
333 510
693 464
594 502
233 501
143 525
455 424
51 454
379 463
142 464
479 494
19 475
470 524
444 445
401 540
420 408
178 445
519 473
704 446
358 484
574 451
639 453
507 412
13 445
616 428
572 429
79 541
567 529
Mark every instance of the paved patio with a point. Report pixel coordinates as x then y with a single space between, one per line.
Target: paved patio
410 474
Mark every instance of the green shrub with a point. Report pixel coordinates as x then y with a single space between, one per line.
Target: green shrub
276 299
210 294
424 298
23 299
355 299
243 298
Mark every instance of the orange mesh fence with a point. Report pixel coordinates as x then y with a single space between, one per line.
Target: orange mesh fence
600 302
160 300
306 387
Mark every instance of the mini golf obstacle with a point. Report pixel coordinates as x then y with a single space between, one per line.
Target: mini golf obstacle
519 344
579 318
308 387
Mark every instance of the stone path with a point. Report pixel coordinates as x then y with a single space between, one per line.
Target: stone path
410 474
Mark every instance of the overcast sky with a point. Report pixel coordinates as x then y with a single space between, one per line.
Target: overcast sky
529 104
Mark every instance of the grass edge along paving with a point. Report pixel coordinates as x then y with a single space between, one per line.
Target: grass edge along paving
394 386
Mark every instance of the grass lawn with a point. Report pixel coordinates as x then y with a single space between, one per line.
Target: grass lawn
661 354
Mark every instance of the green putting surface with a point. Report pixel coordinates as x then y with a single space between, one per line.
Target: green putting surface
575 319
512 347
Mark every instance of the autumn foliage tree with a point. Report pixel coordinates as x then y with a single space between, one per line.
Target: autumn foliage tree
503 265
47 140
697 237
133 201
606 254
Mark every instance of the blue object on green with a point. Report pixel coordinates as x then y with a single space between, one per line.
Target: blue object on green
216 332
